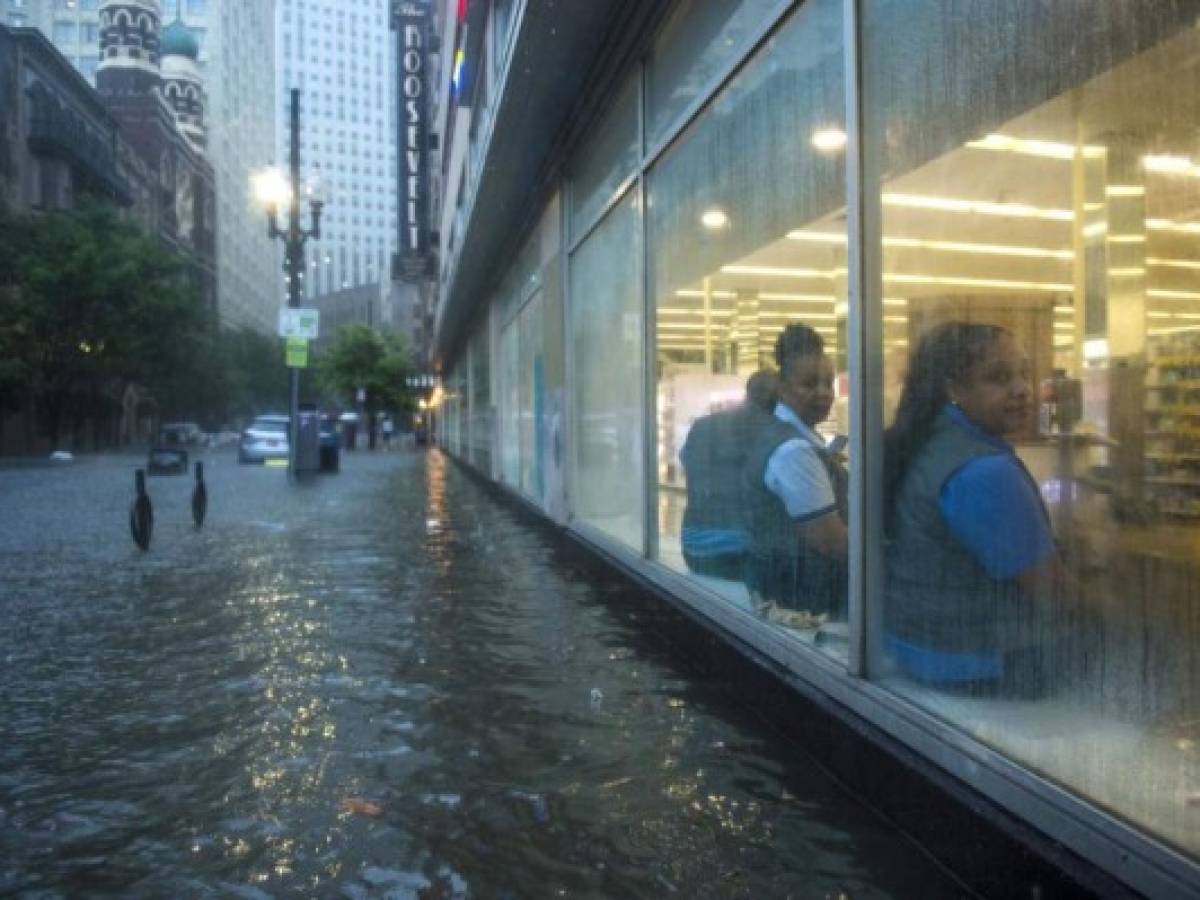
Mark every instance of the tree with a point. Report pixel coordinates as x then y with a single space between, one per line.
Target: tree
89 304
367 358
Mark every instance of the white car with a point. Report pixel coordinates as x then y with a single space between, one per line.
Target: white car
266 438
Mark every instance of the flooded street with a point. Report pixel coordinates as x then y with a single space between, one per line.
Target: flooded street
381 684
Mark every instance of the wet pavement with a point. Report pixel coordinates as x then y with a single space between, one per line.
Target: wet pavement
381 684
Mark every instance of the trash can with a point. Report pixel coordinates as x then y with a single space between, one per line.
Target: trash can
308 441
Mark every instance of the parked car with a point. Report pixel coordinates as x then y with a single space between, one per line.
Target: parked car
167 461
265 438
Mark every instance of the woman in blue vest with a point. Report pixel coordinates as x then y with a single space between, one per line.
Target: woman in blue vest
973 572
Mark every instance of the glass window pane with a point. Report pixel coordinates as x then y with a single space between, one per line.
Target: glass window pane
749 275
698 40
481 402
608 158
607 334
531 399
1037 192
510 456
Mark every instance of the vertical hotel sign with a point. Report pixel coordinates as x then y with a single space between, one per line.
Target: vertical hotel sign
411 20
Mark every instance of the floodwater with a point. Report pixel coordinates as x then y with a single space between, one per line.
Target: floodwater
381 684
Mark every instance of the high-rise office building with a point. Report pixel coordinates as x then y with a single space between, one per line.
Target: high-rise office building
236 43
341 57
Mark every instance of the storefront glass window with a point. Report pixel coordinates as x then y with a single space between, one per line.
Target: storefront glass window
607 337
607 159
481 401
700 38
531 396
510 356
747 219
1035 181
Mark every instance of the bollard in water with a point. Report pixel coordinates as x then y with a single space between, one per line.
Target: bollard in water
141 513
199 496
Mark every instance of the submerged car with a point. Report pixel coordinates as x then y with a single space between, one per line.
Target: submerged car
167 461
266 438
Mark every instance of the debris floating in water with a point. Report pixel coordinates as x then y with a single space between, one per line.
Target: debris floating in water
61 456
360 806
597 696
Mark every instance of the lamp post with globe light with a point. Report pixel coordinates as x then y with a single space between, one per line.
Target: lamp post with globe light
274 190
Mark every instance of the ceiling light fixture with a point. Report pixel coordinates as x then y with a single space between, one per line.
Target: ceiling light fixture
721 295
979 282
1027 147
979 207
829 140
781 271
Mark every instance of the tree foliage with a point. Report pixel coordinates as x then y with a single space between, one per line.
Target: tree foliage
365 357
90 303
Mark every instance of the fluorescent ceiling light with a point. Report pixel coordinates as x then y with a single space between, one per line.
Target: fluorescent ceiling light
1127 239
1064 310
714 218
798 298
1173 295
1047 149
1125 190
693 311
828 237
1173 263
1095 348
984 249
1168 225
979 282
723 295
1167 164
979 207
1127 272
780 271
799 317
818 237
829 140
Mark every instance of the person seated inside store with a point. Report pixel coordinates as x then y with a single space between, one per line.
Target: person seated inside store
716 533
796 491
973 570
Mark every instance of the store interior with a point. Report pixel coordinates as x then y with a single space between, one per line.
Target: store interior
1076 225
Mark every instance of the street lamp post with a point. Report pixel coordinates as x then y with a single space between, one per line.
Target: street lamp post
274 191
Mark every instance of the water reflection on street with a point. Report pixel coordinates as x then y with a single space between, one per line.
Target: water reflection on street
381 684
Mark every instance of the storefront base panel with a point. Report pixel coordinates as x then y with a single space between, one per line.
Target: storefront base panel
940 797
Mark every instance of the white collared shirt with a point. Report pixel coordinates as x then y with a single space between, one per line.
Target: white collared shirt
796 474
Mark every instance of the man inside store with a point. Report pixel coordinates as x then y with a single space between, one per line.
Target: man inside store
716 533
795 494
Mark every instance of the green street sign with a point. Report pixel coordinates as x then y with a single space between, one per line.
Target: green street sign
297 353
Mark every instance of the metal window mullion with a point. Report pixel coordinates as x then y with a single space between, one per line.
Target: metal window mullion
865 330
569 384
649 343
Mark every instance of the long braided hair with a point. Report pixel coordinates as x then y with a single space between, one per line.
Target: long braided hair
946 353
